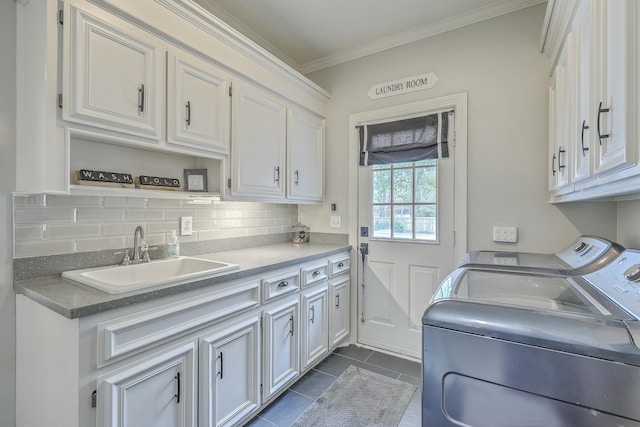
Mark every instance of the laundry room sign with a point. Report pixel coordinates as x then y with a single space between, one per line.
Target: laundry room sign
402 86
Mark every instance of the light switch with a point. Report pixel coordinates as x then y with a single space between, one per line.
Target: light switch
336 221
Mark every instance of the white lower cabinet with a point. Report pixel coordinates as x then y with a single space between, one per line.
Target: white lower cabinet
158 391
208 357
315 324
230 372
281 345
339 289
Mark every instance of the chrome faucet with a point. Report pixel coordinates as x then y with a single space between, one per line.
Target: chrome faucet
140 247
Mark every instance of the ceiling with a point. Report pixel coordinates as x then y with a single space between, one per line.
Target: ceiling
311 35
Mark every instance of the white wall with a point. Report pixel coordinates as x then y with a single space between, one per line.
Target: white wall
498 64
7 183
629 224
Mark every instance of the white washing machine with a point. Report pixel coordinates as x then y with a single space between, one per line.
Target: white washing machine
515 349
585 255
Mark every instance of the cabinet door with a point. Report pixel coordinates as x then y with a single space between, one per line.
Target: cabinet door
230 376
305 166
259 126
613 65
281 348
198 103
154 392
581 42
338 310
112 75
315 322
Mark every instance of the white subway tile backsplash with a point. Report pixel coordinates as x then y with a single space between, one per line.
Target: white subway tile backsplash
125 202
43 248
75 201
100 244
164 203
29 200
25 215
177 213
72 230
144 214
100 214
49 225
29 232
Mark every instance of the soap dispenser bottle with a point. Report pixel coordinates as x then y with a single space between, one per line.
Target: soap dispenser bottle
173 247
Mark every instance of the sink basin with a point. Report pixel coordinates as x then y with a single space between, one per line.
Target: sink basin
116 279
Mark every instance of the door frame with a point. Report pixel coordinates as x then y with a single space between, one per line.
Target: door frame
459 103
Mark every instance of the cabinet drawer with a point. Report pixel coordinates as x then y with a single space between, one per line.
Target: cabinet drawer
280 285
314 274
133 334
338 266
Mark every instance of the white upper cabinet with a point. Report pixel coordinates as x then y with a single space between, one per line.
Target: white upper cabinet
581 45
198 103
112 75
258 147
277 152
305 157
594 98
614 76
144 76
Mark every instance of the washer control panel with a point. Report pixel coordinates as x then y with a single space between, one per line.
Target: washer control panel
620 281
584 251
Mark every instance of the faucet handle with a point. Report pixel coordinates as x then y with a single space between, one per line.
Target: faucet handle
125 259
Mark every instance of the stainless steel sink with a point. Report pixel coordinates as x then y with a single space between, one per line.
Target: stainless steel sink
115 279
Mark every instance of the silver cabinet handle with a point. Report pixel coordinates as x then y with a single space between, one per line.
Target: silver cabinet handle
276 174
585 126
296 181
188 119
600 111
141 98
337 300
283 284
177 395
221 371
312 314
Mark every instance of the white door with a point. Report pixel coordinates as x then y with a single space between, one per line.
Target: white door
314 323
112 75
198 103
258 143
230 377
156 392
305 156
406 217
613 34
281 346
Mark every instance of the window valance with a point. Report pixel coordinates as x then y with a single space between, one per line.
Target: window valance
406 140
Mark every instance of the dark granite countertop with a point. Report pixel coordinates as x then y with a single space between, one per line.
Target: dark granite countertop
74 300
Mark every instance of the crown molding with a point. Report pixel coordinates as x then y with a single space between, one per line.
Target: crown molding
428 30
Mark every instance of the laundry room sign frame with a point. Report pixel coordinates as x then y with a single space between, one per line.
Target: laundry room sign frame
402 86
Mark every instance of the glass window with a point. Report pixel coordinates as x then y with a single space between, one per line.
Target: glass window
404 201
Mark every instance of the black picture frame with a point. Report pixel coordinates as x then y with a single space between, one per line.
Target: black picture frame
195 180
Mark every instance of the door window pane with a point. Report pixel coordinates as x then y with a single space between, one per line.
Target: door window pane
382 221
404 201
402 186
382 186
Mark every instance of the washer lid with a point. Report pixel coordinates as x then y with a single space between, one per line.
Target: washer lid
562 313
528 292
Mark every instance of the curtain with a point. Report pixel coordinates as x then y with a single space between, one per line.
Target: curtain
407 140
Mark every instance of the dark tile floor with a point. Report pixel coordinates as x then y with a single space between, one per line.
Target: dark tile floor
292 403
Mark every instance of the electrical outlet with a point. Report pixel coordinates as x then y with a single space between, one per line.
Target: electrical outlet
336 221
505 234
186 226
